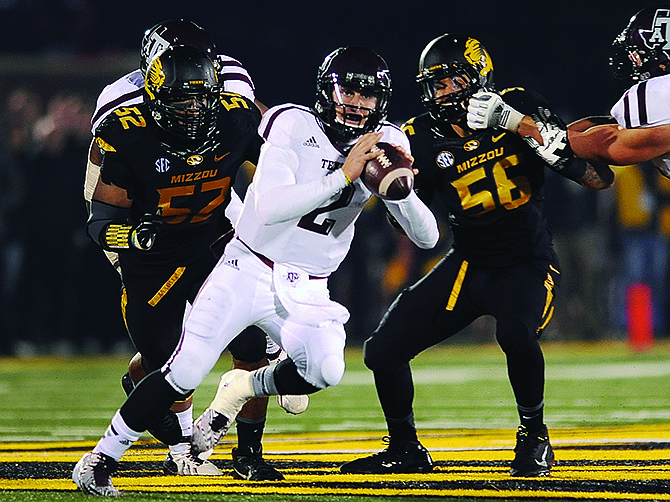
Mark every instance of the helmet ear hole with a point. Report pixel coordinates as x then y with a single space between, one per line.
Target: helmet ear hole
457 57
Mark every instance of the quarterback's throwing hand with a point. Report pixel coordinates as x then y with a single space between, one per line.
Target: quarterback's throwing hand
487 109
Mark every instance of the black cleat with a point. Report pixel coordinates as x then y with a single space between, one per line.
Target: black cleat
534 456
398 457
248 463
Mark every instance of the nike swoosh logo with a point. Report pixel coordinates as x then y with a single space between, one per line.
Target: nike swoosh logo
495 139
216 159
543 462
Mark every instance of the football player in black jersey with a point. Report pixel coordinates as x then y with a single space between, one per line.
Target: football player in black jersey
248 351
168 165
501 263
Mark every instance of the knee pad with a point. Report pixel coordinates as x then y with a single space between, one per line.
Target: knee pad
515 337
375 355
332 370
186 373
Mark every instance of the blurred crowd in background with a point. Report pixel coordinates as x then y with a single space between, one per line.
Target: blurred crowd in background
58 293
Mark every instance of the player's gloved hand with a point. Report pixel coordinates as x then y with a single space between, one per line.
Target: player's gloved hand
144 234
555 151
487 109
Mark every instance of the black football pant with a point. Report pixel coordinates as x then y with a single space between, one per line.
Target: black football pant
154 304
446 300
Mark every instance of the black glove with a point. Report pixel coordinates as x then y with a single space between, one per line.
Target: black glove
144 233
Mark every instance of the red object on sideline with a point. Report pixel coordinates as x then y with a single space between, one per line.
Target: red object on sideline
640 316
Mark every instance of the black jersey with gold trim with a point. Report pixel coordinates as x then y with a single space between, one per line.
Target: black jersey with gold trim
189 189
492 184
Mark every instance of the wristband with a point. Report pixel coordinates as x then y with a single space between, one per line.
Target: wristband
510 118
117 236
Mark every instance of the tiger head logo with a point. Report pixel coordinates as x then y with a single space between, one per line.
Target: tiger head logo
477 56
155 78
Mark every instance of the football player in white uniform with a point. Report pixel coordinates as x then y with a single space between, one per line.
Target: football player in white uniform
295 228
123 94
642 114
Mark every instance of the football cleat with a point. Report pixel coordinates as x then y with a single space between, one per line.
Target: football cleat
235 389
208 429
248 463
293 404
93 475
534 456
186 464
399 457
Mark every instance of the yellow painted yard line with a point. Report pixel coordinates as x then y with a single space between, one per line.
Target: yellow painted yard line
609 455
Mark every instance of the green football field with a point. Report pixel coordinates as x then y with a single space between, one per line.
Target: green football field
607 409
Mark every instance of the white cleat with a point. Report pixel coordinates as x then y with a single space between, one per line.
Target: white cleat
235 389
186 464
294 405
93 475
208 430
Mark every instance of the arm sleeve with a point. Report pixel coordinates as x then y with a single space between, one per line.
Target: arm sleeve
107 226
278 197
416 219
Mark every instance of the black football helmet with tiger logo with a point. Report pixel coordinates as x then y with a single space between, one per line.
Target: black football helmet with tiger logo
175 32
453 55
362 70
182 92
642 49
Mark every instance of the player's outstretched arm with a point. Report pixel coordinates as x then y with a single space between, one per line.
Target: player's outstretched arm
612 144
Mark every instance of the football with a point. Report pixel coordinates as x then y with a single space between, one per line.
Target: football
390 175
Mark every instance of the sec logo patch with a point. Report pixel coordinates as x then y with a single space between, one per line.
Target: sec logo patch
444 159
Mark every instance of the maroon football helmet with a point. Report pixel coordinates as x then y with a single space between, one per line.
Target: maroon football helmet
360 69
642 49
171 33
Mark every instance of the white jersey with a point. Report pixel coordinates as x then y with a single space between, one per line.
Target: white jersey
299 213
299 209
127 91
646 104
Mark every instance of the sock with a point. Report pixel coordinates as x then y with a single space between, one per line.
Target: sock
186 421
282 379
402 429
250 432
179 447
117 439
532 418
